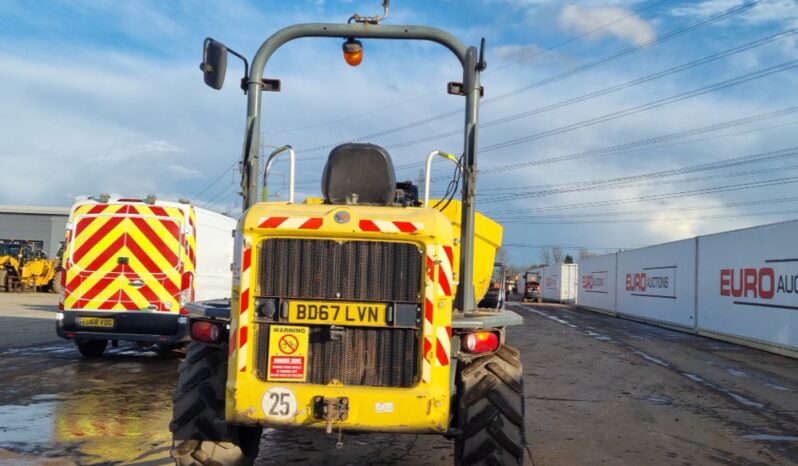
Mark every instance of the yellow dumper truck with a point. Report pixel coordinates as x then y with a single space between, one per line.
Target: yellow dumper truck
355 313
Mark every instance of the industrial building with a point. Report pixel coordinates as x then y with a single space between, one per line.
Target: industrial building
45 226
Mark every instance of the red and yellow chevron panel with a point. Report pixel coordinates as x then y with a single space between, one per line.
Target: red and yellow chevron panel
129 256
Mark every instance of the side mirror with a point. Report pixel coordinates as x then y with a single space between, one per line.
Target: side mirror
214 63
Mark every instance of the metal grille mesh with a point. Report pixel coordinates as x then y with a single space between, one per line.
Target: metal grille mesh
351 270
384 357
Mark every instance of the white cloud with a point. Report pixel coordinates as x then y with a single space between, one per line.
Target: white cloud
514 52
184 172
705 9
619 22
785 11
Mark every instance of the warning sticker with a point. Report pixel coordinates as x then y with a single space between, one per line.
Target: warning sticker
288 351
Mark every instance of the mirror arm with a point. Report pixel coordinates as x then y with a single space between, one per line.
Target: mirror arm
246 69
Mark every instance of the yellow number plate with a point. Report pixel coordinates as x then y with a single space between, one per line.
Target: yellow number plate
338 313
95 322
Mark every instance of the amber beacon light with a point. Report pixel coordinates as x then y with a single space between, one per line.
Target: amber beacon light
353 51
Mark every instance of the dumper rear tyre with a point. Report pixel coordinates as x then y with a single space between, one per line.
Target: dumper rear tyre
490 410
200 437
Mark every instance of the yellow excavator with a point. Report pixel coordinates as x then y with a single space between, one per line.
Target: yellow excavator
26 268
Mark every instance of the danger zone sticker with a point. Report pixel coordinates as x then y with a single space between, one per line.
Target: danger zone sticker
288 351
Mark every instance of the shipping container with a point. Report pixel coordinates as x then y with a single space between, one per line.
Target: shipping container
558 283
657 283
597 279
747 282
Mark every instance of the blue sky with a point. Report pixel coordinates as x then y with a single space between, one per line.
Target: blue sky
106 96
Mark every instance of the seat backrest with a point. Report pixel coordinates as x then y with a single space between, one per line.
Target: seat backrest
359 174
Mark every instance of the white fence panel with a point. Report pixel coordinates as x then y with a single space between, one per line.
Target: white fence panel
747 285
658 283
597 288
550 285
559 283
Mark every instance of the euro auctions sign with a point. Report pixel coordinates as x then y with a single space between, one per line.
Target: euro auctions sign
595 282
654 282
773 284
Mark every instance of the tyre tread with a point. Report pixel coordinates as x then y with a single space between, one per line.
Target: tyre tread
199 439
490 408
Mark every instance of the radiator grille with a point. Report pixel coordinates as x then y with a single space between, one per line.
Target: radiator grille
351 270
385 357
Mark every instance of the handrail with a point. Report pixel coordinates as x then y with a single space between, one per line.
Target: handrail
428 170
291 172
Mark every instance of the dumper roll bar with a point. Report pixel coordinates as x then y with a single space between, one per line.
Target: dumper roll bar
428 170
291 172
471 88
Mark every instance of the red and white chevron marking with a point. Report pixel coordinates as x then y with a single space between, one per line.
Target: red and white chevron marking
293 223
429 308
445 271
387 226
243 316
443 345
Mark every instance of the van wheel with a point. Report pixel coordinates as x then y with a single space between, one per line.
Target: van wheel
490 410
200 437
56 282
91 348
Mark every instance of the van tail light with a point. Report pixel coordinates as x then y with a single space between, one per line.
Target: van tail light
207 332
186 291
62 292
480 342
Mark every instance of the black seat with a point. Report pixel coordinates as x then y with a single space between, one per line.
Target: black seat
359 174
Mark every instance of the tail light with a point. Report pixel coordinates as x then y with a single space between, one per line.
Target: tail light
480 342
208 332
186 291
62 292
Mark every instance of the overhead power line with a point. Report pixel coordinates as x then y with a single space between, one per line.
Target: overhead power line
602 92
215 180
656 142
651 219
490 70
625 181
557 77
788 65
661 141
622 213
653 197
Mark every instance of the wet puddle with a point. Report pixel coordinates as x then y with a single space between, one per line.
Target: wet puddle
109 411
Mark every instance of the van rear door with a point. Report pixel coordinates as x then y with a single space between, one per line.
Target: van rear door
125 257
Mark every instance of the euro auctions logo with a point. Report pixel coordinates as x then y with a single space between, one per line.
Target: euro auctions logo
595 282
590 282
642 282
774 285
653 282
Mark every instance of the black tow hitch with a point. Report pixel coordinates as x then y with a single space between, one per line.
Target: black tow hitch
331 410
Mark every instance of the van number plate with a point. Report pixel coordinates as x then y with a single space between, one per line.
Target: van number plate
95 322
338 313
